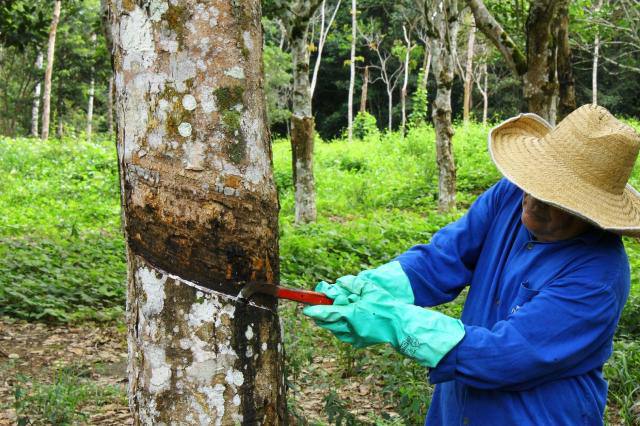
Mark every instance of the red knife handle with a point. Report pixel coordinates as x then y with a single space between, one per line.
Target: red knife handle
305 296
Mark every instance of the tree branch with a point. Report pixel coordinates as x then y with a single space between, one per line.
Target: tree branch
493 31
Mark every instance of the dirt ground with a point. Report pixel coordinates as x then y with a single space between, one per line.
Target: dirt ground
37 351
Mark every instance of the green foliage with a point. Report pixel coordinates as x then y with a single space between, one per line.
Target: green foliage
623 373
59 402
419 103
365 127
61 250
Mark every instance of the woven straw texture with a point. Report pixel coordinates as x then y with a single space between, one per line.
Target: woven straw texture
582 165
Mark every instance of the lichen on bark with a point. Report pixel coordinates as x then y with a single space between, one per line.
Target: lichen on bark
199 212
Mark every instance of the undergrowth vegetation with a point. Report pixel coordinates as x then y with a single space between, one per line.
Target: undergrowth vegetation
62 254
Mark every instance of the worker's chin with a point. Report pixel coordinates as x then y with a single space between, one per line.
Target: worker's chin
536 226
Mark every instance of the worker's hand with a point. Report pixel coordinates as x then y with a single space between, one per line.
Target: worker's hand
389 277
376 317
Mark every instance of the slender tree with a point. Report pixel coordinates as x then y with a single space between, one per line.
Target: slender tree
409 46
596 57
46 97
200 212
322 39
352 67
92 89
468 73
385 66
35 108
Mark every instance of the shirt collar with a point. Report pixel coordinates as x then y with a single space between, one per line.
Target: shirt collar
592 236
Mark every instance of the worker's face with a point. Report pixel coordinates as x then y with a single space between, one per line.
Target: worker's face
549 223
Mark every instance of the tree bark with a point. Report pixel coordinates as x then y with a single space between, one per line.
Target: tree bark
301 134
468 74
46 97
566 80
35 108
352 69
534 69
498 36
92 89
200 213
365 89
539 88
596 57
445 23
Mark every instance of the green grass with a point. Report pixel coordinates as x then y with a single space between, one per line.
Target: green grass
60 402
62 254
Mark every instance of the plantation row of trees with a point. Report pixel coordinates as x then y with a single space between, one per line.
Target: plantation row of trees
394 63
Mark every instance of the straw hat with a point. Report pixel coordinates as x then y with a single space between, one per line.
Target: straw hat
582 165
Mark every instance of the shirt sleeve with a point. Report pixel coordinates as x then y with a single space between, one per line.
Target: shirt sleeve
440 270
560 332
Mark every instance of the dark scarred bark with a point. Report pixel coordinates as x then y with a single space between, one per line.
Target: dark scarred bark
200 212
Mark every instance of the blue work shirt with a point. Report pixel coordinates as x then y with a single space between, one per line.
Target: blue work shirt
539 317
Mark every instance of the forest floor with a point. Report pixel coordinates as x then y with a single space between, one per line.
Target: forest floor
79 373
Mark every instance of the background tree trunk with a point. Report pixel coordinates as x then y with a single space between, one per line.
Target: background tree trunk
352 68
405 81
200 211
538 88
35 109
426 66
302 133
566 81
365 89
445 22
51 47
321 41
468 74
92 89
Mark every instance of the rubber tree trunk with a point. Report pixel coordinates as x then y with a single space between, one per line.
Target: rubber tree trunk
468 75
51 47
302 132
539 88
443 48
566 80
352 67
35 108
365 89
200 212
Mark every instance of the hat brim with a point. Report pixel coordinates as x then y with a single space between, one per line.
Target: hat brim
518 152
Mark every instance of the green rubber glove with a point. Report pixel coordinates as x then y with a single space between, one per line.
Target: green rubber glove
389 277
376 317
